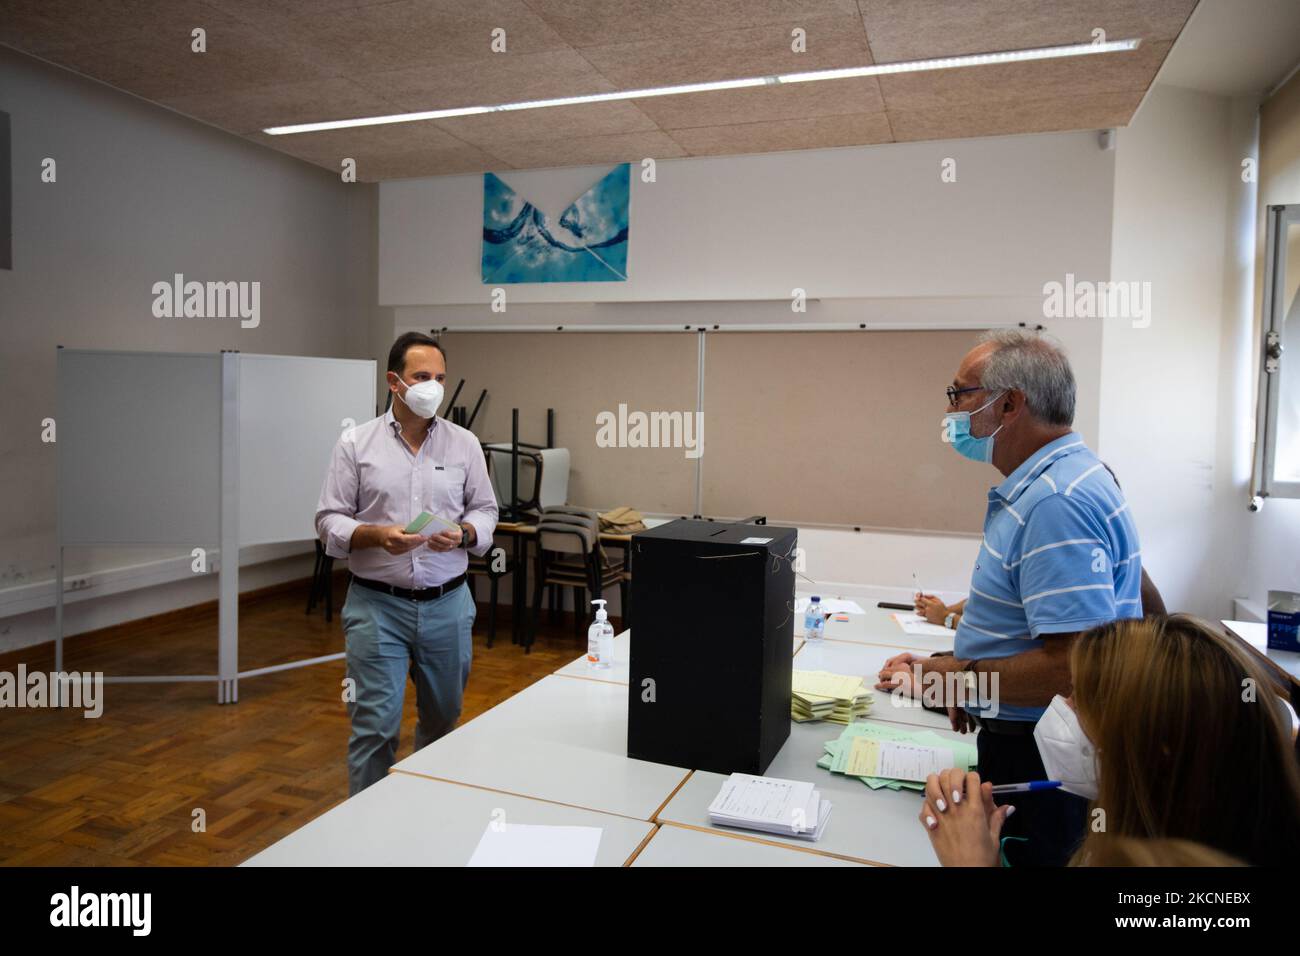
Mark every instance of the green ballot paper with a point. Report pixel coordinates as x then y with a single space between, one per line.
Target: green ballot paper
422 521
838 753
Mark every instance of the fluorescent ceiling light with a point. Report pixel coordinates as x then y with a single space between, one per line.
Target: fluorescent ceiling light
876 69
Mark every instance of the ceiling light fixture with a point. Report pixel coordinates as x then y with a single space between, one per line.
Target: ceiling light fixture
876 69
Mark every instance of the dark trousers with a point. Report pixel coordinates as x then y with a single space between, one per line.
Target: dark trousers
1052 822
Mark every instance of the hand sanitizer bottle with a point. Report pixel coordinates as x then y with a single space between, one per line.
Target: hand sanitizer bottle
600 639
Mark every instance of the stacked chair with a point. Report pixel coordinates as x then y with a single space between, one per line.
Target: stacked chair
569 554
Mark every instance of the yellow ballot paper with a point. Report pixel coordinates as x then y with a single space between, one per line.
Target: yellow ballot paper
826 684
821 695
869 757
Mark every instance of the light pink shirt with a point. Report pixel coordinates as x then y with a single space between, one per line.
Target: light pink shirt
375 478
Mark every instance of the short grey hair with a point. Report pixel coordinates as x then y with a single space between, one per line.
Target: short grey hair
1037 367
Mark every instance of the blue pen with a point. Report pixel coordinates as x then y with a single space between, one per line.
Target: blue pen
1030 787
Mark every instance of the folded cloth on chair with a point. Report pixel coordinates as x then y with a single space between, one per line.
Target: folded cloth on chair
621 520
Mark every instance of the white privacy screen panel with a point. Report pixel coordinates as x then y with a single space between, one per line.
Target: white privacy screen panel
139 444
292 411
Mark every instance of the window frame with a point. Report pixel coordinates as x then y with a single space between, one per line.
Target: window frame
1265 484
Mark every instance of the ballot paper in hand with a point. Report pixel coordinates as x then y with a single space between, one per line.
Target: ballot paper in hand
915 624
770 805
523 844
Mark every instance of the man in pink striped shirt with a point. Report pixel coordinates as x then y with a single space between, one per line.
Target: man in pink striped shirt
409 608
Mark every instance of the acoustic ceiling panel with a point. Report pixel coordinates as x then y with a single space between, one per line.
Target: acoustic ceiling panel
281 62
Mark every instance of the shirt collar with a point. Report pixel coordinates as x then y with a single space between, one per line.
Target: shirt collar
1015 483
396 427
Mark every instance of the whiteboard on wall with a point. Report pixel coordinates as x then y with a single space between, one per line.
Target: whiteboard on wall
139 447
292 411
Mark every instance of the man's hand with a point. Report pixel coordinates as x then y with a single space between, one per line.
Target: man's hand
931 608
896 660
390 537
446 540
960 720
961 819
897 672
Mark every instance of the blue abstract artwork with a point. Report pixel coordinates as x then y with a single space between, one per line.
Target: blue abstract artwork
588 243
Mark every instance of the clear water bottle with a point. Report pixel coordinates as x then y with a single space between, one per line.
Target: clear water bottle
814 621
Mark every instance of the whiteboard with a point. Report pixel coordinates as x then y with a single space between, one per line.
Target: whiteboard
138 438
292 410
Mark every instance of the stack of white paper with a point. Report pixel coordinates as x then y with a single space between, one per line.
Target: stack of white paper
522 844
784 807
915 624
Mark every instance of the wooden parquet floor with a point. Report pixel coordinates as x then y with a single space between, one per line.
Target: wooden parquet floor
122 789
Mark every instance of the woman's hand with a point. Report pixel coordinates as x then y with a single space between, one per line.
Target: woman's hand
961 819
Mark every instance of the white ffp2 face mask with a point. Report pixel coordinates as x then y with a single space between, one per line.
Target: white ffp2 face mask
423 398
1068 754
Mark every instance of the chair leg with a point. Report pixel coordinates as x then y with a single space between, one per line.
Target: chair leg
579 602
315 580
555 604
328 585
492 612
537 604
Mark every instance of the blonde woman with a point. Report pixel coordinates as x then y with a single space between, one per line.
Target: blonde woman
1174 731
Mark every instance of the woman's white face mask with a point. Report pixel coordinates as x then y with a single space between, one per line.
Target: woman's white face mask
1068 754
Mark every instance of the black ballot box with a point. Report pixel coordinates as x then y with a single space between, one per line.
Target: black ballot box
712 644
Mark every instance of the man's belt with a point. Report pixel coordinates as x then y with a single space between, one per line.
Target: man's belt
411 594
1004 728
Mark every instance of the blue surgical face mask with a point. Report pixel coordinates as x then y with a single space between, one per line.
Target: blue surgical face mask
956 431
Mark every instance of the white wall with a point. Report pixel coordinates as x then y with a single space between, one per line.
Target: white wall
142 193
1178 397
871 221
1160 390
1271 555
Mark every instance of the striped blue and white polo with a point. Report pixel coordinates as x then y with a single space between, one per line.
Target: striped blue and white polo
1060 554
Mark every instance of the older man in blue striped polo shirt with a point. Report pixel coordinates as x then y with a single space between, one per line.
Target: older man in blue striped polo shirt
1060 555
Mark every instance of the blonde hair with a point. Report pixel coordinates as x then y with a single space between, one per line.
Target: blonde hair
1129 851
1190 740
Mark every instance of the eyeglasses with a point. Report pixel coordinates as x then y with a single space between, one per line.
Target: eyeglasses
952 393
